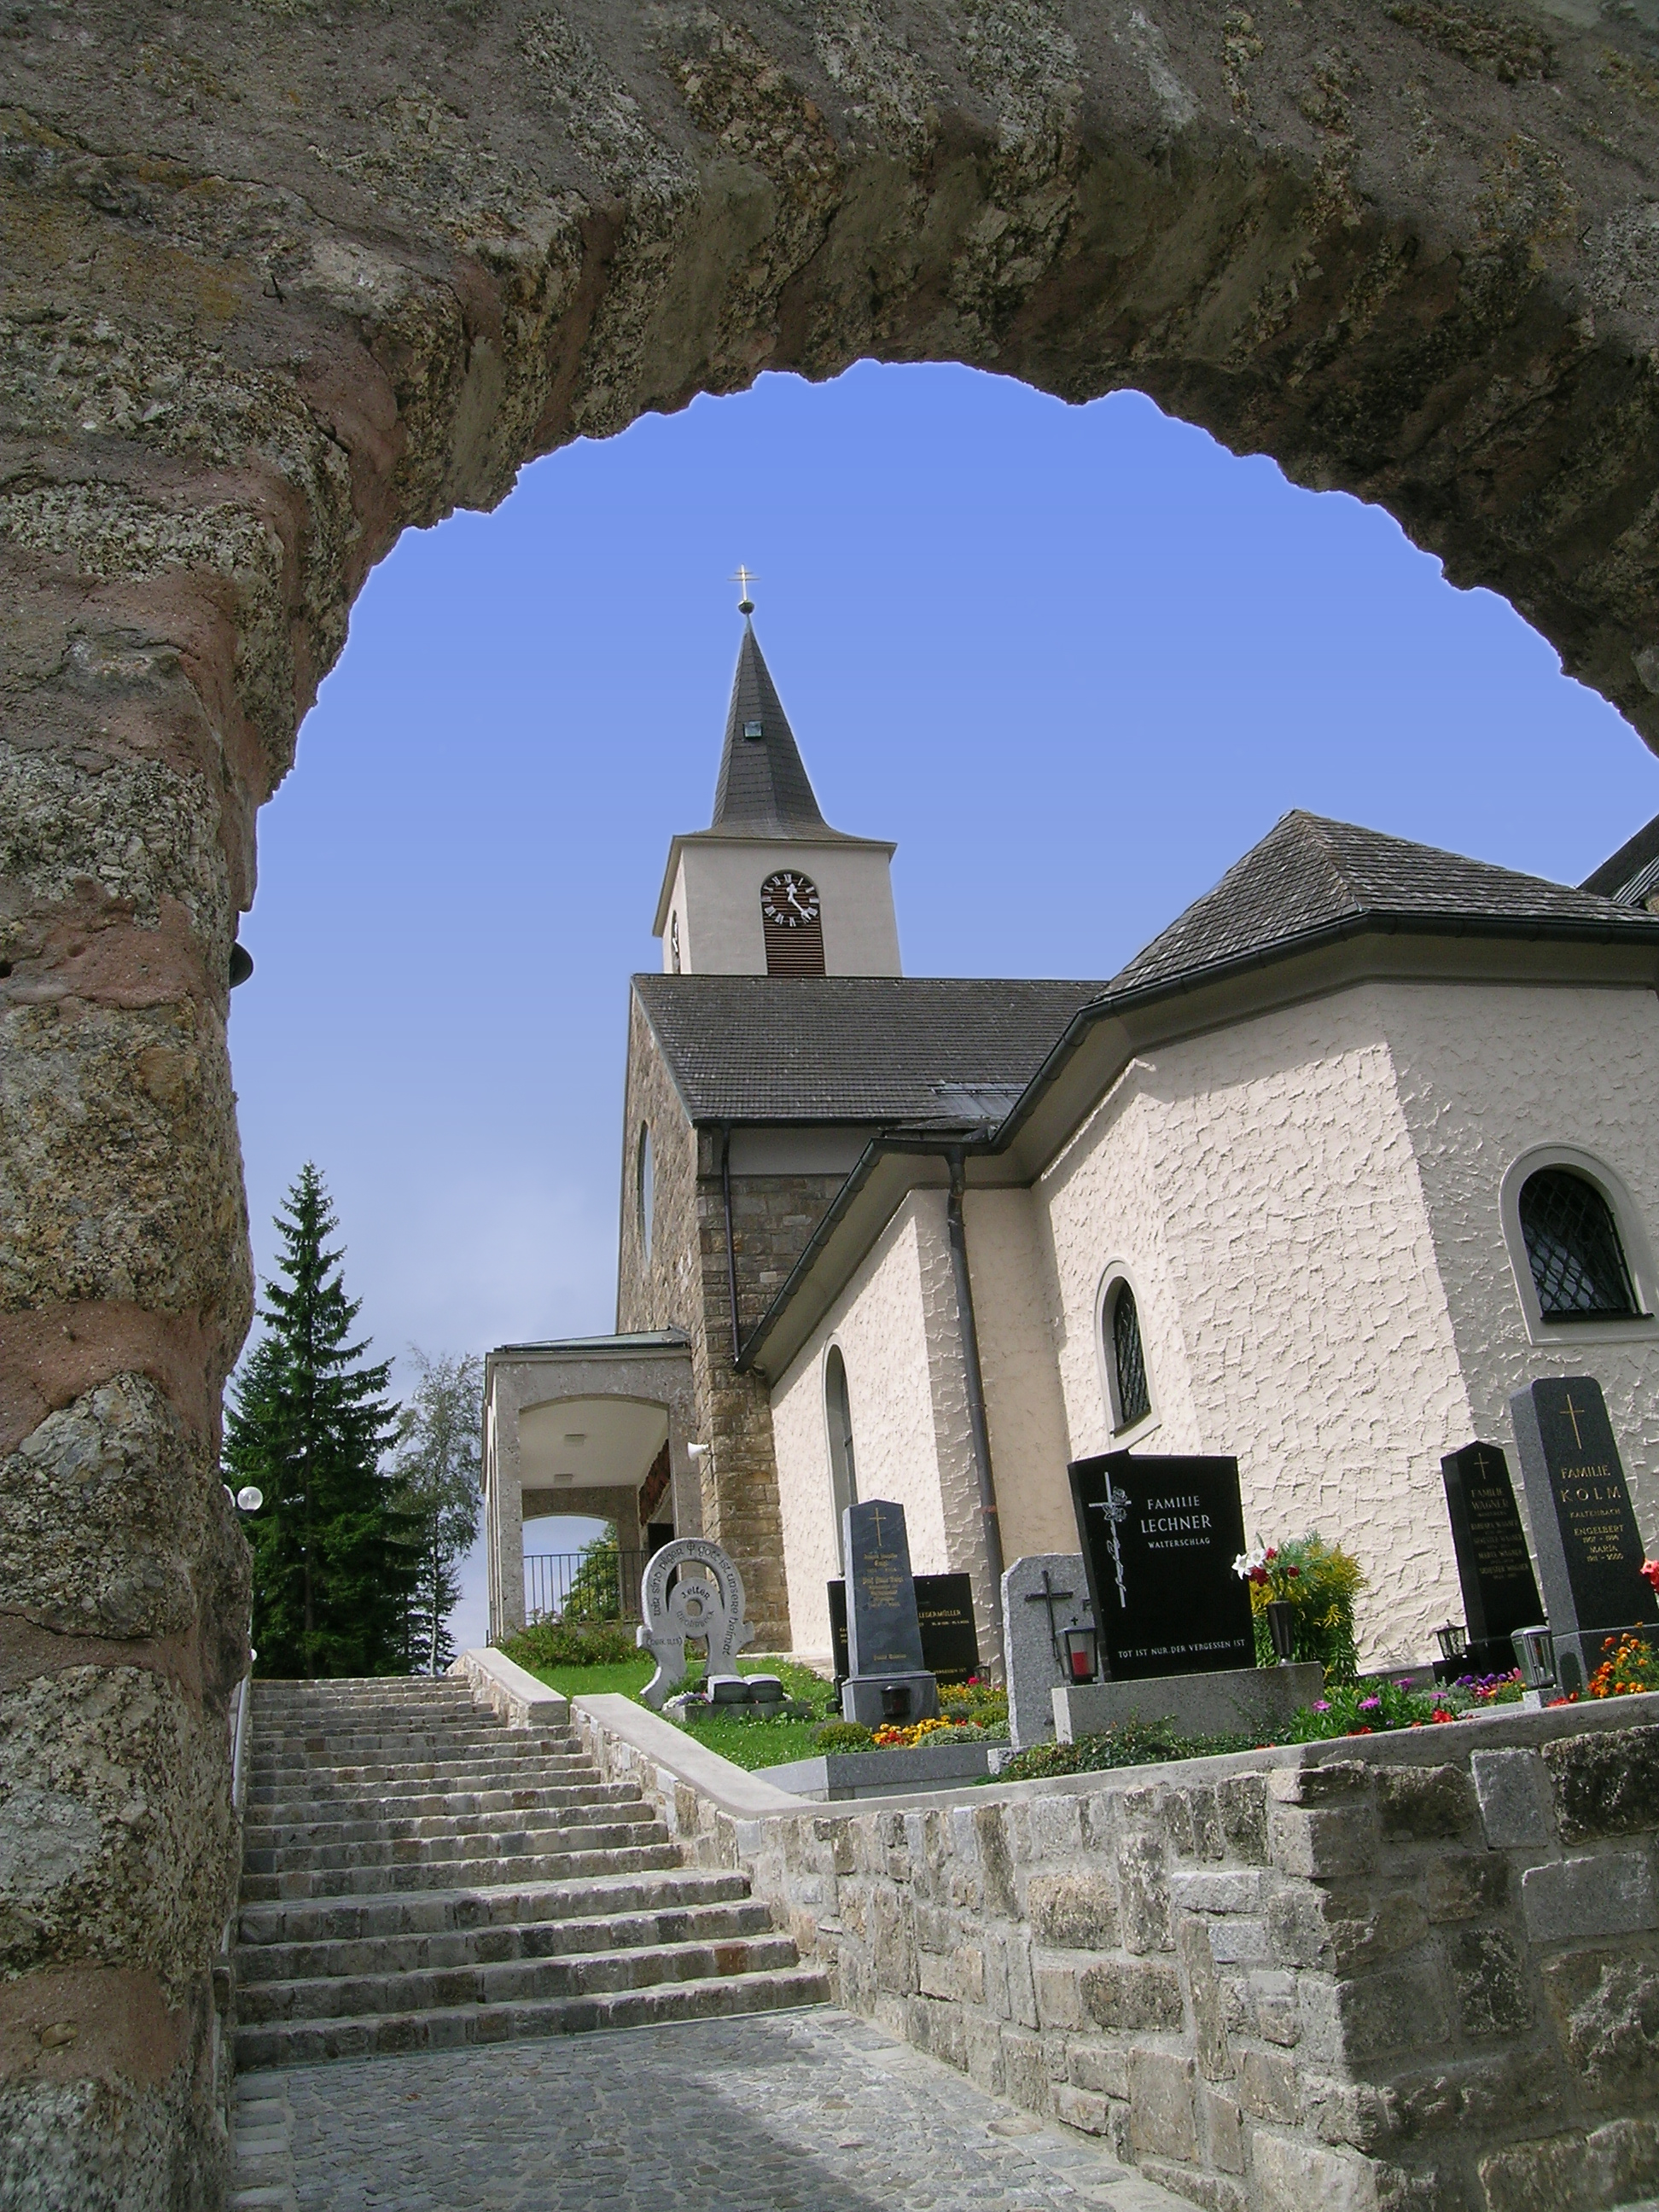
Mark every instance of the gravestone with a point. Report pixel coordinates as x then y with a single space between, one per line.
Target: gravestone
945 1612
1494 1568
887 1680
1590 1549
1043 1595
1160 1537
708 1602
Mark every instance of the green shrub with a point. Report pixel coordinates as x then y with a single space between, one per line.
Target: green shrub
1133 1742
843 1735
565 1644
1321 1581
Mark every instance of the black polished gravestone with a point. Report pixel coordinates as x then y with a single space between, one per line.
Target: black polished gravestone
887 1679
1160 1539
1590 1549
944 1614
1494 1568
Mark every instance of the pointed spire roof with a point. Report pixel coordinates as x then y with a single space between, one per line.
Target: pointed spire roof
763 789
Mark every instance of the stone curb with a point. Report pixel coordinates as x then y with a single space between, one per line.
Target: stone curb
501 1684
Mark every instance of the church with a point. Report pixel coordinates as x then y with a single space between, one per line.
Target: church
1358 1145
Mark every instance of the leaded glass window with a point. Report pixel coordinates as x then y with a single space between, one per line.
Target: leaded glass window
1573 1248
1128 1361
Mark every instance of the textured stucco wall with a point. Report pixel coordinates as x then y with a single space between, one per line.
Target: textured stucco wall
895 1323
1262 1182
1018 1324
1485 1076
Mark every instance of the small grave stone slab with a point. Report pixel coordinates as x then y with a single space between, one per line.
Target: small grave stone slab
1590 1549
945 1614
1160 1536
1494 1568
884 1633
1043 1595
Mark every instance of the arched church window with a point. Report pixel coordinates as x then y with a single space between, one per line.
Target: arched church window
1128 1360
645 1189
838 1417
792 923
1573 1249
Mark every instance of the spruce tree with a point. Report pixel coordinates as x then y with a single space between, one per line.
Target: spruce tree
332 1564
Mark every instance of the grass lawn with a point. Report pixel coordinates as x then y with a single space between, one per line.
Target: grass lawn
746 1741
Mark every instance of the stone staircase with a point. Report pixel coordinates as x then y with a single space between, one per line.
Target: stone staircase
418 1876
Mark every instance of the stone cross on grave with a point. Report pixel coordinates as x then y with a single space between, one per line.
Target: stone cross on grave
1050 1596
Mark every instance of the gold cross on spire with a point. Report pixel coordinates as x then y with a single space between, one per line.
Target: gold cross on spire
745 605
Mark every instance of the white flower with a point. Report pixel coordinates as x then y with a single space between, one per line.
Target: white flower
1247 1562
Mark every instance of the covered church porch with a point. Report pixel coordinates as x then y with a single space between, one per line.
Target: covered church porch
597 1427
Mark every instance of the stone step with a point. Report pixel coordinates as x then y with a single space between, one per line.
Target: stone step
460 1948
460 1771
453 1874
512 1981
620 1803
349 1747
434 1912
422 1801
452 2028
516 1837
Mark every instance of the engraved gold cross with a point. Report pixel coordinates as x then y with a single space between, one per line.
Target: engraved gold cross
1573 1412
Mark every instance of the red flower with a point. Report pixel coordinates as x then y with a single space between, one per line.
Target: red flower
1293 1571
1650 1570
1361 1731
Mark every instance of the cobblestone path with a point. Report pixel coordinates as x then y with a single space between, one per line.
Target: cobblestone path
814 2110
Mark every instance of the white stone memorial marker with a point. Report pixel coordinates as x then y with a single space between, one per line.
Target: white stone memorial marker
707 1605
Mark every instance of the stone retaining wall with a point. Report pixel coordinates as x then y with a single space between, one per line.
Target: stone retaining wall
1416 1972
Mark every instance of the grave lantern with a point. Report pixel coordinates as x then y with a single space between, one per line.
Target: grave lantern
1534 1652
1453 1639
1079 1644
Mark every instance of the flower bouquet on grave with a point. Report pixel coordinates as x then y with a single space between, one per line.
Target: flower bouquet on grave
1316 1584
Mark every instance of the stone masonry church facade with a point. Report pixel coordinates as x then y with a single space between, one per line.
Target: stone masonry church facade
1358 1145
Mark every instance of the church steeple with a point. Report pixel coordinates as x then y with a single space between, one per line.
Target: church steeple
763 789
769 888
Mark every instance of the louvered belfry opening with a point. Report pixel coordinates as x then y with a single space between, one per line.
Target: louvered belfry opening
797 951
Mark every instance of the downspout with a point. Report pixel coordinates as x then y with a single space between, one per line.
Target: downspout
731 1251
974 1380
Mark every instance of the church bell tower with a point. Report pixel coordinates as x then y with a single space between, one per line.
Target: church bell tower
769 888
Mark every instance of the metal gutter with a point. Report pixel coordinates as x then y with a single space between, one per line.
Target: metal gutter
973 1375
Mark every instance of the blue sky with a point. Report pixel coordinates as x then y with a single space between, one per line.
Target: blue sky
1075 660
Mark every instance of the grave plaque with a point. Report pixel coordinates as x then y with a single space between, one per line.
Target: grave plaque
1493 1566
1159 1539
1590 1550
884 1634
945 1612
1043 1595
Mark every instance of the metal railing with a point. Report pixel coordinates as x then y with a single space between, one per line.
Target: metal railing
582 1586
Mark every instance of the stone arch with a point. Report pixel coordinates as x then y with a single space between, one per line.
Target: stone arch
284 283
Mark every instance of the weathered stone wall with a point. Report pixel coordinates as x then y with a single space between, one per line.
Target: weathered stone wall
1411 1973
279 284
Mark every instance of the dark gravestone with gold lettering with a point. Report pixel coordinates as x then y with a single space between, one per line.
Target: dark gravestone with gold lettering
1590 1549
1160 1538
887 1680
944 1614
1493 1566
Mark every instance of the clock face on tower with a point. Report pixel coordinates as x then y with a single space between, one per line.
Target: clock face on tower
789 899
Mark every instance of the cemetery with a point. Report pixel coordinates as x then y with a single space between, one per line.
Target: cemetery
1276 1938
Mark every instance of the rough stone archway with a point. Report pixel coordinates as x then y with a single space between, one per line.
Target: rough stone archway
286 277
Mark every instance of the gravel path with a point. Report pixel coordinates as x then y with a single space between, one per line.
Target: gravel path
817 2110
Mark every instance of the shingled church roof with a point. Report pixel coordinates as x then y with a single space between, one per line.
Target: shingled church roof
763 789
1310 879
1630 877
898 1052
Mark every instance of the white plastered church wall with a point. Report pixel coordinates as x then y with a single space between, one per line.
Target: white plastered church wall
1025 1411
896 1325
715 898
1266 1173
1486 1075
